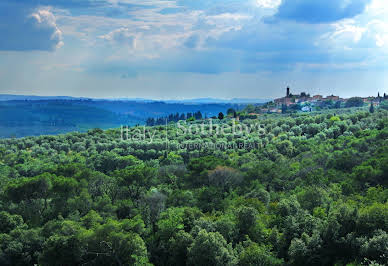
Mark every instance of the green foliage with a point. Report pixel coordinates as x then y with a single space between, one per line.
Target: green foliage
111 242
199 167
354 102
41 117
9 222
335 118
26 189
384 105
256 255
210 249
311 190
246 219
61 250
231 112
21 246
372 108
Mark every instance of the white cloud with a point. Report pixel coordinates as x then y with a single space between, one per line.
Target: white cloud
122 36
377 8
46 20
345 33
148 33
269 3
378 29
227 17
25 30
368 30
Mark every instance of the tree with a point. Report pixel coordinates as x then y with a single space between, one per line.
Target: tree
178 248
231 112
62 250
32 195
29 188
307 250
150 122
246 219
190 119
384 105
134 180
210 249
210 199
225 177
371 108
198 115
354 102
220 116
285 147
112 242
376 247
170 222
250 108
171 244
337 105
156 203
198 169
172 159
284 108
9 222
21 247
256 255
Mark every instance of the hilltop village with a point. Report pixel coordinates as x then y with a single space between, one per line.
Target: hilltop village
291 103
304 102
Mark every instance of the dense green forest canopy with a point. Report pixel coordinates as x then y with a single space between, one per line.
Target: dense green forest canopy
302 190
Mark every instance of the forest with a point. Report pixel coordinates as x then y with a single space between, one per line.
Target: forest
35 117
303 189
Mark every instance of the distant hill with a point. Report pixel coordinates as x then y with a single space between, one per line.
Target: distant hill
35 115
213 100
144 110
11 97
42 117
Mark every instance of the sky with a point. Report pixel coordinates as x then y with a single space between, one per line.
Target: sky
179 49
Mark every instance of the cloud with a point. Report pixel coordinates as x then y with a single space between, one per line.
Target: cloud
368 33
26 29
268 3
122 36
212 36
61 3
319 11
182 47
348 44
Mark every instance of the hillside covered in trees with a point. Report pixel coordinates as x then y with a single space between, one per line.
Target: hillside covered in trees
22 118
291 189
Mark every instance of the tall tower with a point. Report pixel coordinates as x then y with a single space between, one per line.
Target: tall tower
288 92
